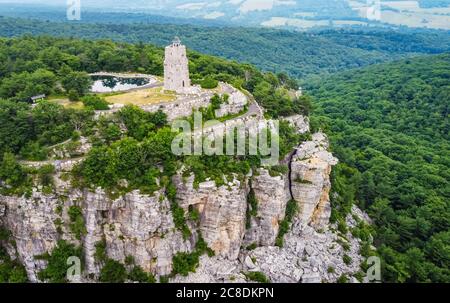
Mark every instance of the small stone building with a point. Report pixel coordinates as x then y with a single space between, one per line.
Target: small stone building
176 68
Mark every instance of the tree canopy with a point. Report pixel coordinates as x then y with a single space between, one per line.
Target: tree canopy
389 126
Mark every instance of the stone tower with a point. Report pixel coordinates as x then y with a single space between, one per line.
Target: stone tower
176 67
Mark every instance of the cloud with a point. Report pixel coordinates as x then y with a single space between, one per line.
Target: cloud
262 5
192 6
215 4
214 15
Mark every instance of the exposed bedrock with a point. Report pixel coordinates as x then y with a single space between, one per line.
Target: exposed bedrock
222 210
310 180
242 213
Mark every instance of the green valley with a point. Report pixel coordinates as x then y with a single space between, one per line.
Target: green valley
389 126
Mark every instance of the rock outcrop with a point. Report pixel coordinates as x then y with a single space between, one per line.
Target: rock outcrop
133 225
31 222
222 212
186 104
308 256
215 270
142 226
310 180
272 195
236 101
137 225
301 123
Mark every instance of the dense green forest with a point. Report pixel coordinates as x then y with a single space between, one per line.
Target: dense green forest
297 53
56 66
389 126
59 67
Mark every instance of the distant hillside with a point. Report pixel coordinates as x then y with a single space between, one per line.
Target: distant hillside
389 126
299 54
57 13
286 14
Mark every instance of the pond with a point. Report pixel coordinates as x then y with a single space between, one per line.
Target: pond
108 84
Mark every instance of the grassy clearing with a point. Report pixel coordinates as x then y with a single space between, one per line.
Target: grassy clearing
139 97
143 97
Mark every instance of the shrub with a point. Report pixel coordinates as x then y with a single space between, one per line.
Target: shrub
209 83
347 259
363 231
109 132
194 214
100 251
34 152
113 272
73 95
342 226
201 247
345 245
137 274
45 174
217 101
291 210
177 212
95 102
75 135
252 246
129 260
252 208
11 171
179 220
11 271
183 263
140 123
342 279
4 234
278 170
56 270
253 202
257 276
163 279
359 276
17 273
77 225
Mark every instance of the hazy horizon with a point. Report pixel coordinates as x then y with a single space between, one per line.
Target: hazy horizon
294 14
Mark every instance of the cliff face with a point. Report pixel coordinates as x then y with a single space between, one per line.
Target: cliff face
222 212
31 222
310 180
132 225
142 226
313 251
272 195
